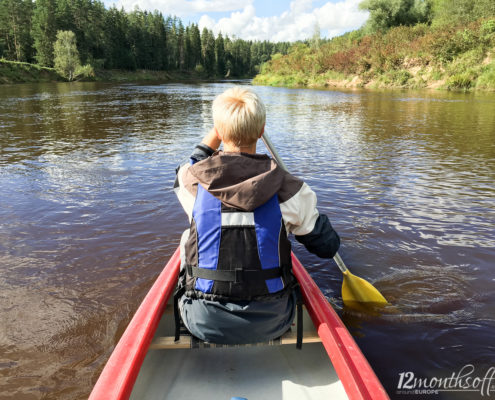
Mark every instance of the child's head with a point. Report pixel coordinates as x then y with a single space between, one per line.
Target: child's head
239 116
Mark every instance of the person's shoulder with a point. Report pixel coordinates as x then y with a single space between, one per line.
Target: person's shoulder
291 185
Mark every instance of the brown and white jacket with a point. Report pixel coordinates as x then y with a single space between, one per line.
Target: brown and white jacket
246 181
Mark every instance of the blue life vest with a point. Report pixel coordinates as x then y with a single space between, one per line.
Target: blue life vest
235 255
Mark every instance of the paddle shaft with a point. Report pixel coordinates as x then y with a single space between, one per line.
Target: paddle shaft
271 148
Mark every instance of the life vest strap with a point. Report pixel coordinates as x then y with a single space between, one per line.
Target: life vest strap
238 275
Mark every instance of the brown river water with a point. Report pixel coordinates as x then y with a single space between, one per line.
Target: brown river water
88 219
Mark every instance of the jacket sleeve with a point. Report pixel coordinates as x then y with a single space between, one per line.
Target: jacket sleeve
322 240
201 152
310 228
184 195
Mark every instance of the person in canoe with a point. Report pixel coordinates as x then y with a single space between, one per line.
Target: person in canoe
236 284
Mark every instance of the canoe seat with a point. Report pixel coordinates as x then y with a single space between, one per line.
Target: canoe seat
187 341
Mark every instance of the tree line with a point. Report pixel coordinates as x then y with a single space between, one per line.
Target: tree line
115 39
404 43
385 14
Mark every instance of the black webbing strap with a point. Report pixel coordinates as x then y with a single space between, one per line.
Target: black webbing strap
299 311
178 293
237 276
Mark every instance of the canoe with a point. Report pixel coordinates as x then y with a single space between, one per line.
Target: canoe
148 364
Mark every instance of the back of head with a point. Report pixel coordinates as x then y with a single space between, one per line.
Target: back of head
239 115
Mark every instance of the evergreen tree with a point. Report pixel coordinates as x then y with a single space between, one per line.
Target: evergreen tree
44 31
220 55
66 56
118 39
195 39
171 43
180 45
187 49
208 51
15 24
229 65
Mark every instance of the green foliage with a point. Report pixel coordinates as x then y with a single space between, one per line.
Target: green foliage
385 14
488 27
85 71
486 80
448 12
208 51
44 31
66 55
460 81
400 77
113 38
13 72
451 56
15 21
199 69
220 55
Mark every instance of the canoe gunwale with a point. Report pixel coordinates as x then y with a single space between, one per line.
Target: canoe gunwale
358 378
117 379
119 375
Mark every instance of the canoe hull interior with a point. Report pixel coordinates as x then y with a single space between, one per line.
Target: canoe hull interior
147 364
254 372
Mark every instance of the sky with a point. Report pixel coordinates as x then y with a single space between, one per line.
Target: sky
274 20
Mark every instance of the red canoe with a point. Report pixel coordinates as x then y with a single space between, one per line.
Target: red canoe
148 364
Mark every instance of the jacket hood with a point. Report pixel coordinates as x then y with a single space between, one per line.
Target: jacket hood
240 180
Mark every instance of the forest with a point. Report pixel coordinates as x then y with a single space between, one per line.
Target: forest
116 39
448 44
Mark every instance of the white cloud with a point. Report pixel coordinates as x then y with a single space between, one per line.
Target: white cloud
183 8
297 23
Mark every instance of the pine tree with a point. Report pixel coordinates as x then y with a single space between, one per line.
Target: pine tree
196 57
15 23
220 55
180 46
208 51
117 47
44 31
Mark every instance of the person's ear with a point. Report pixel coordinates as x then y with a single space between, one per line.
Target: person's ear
262 130
218 135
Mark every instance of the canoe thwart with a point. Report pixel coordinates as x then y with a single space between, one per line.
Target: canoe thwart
191 342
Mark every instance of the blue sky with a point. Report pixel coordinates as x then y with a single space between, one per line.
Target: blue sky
274 20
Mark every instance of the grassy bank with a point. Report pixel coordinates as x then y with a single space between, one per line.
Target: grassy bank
448 57
19 72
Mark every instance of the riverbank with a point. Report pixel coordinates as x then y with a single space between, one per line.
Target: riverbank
12 72
21 72
458 57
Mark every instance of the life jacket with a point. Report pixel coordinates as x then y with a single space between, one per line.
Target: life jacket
234 255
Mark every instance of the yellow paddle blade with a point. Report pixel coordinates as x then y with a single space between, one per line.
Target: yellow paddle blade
358 292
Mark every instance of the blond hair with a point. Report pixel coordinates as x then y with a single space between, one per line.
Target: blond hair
239 116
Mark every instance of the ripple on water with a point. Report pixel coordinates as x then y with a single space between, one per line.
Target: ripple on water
89 218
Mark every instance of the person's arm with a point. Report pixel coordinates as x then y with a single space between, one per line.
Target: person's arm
303 219
206 148
322 240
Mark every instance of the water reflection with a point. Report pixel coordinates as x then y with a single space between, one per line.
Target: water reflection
88 217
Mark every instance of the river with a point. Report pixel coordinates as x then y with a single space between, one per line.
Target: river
88 219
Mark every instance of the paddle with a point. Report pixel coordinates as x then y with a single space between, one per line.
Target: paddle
356 292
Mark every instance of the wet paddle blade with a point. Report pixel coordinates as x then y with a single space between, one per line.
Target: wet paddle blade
357 291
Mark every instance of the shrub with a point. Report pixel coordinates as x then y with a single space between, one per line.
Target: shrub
85 71
488 27
487 78
459 81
